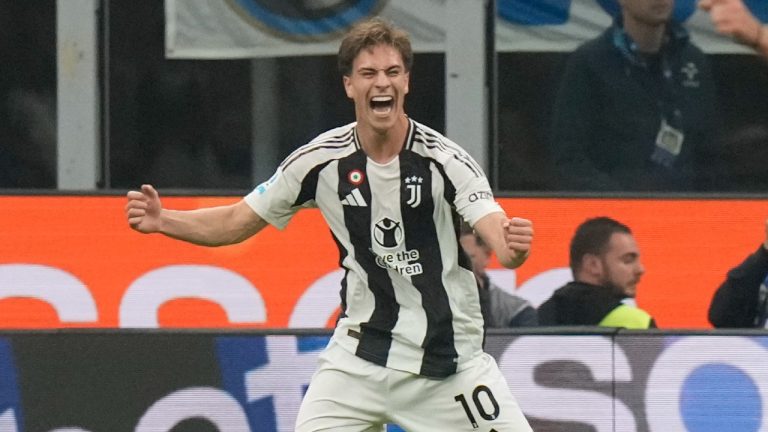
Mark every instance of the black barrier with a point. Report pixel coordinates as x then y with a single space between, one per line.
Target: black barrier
575 379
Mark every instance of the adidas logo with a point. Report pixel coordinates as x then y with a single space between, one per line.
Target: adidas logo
354 199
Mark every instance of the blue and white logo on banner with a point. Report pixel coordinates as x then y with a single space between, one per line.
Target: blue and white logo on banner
269 375
306 19
702 412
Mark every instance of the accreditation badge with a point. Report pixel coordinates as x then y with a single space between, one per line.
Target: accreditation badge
669 143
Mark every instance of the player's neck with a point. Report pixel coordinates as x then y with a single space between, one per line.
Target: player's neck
647 37
383 146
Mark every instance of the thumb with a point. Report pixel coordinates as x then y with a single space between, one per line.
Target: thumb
150 192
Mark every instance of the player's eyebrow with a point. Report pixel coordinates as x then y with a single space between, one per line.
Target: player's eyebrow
373 69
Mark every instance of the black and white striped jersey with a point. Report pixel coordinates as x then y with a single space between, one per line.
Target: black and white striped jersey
409 299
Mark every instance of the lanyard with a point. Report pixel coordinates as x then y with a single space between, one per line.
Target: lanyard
660 73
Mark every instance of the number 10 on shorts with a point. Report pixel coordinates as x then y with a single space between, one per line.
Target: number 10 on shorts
479 405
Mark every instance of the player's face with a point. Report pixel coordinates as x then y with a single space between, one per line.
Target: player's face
478 255
621 266
649 12
378 85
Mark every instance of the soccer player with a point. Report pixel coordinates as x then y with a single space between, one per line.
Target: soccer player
407 347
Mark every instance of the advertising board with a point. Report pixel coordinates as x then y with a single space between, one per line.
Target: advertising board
72 261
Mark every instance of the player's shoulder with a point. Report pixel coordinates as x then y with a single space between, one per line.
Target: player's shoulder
431 144
338 134
428 140
329 145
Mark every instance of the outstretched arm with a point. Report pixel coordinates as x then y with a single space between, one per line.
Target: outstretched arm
510 239
732 18
212 226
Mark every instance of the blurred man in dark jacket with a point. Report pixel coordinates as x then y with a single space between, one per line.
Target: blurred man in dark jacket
606 266
742 298
635 108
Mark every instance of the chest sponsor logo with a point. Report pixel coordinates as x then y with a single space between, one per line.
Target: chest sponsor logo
388 233
401 262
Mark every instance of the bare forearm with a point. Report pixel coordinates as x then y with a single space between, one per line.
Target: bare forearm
215 226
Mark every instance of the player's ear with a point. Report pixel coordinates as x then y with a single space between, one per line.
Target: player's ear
348 86
407 78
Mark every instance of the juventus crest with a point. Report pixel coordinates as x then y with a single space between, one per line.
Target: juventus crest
413 185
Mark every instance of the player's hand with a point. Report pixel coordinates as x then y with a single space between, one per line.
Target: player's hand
143 209
518 235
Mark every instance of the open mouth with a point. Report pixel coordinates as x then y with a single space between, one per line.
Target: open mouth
382 104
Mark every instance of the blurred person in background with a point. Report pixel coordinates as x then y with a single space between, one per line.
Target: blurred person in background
738 165
636 106
742 298
732 18
27 95
392 192
500 308
606 266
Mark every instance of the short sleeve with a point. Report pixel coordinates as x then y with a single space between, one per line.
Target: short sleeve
474 197
274 200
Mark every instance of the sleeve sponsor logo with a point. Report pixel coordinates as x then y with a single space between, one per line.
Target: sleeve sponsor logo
262 188
481 195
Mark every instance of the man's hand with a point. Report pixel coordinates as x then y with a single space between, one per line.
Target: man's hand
143 209
732 18
518 236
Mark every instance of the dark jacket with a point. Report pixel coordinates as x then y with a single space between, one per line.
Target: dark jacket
741 300
582 304
501 309
609 110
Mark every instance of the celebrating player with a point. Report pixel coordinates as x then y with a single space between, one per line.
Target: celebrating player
407 348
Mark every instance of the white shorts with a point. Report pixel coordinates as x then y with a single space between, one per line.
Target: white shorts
349 394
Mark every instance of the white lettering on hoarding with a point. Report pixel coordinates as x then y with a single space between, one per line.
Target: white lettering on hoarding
679 360
283 379
241 301
212 404
521 358
8 421
663 389
318 303
68 295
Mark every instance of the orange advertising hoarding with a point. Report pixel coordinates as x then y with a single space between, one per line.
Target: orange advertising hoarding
72 261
